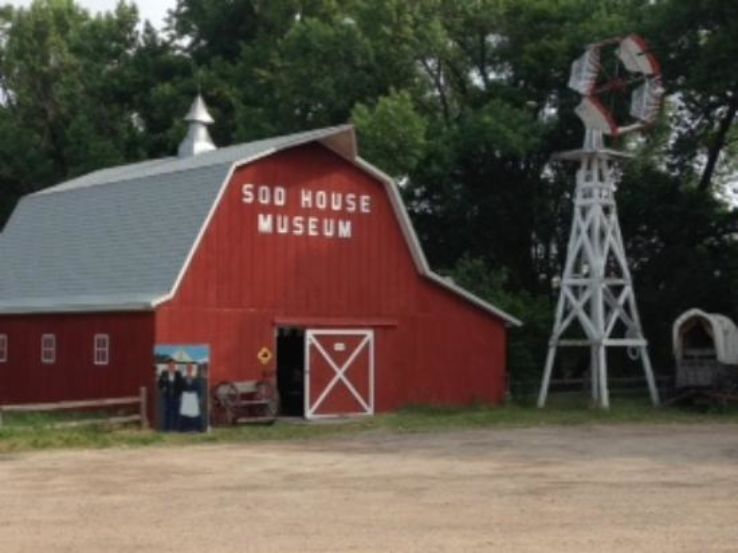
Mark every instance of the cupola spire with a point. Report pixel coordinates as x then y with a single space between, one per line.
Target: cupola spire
198 138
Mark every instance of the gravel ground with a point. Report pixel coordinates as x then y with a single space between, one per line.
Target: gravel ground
669 488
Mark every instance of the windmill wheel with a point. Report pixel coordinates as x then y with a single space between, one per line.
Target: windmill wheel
225 401
620 83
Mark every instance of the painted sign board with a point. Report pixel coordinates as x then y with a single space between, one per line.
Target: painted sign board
181 373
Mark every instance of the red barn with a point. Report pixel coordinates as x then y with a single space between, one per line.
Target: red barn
289 255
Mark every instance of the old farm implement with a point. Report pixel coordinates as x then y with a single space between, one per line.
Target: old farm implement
246 401
706 354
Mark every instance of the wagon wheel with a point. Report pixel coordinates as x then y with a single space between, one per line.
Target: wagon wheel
225 398
724 388
219 414
266 391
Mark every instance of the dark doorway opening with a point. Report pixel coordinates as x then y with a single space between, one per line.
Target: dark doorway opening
291 370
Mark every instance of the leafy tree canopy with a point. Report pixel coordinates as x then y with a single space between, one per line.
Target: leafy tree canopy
464 101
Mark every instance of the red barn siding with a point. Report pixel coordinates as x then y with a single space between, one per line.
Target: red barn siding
431 346
24 378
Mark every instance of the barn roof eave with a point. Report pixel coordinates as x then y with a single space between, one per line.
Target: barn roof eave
68 307
417 251
476 300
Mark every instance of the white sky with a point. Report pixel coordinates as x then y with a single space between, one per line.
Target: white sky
153 10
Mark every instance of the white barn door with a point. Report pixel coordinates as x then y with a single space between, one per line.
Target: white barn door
339 373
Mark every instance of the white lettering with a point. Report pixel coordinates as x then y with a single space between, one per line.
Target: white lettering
307 224
283 224
247 193
329 227
313 225
266 223
350 203
264 195
299 223
344 229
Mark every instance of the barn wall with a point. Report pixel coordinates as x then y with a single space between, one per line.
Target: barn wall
469 363
24 378
431 346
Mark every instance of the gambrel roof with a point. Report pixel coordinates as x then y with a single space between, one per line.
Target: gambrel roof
120 239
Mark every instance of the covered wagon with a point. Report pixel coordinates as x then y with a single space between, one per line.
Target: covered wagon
706 351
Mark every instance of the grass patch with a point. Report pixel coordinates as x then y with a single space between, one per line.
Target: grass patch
33 432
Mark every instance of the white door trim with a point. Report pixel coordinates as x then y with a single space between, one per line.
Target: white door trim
340 371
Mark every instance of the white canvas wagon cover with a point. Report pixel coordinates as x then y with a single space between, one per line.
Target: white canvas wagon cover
720 328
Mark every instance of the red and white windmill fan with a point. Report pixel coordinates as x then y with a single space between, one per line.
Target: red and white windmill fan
590 78
596 307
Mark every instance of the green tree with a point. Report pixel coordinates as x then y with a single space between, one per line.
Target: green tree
80 92
61 69
394 132
463 100
696 42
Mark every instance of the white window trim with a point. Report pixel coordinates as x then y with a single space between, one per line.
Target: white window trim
51 349
101 345
3 348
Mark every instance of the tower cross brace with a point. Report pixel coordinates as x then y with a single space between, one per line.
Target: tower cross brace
596 306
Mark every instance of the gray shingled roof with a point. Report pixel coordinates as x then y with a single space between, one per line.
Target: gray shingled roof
117 238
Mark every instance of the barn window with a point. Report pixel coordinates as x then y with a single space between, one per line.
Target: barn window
102 349
48 348
3 348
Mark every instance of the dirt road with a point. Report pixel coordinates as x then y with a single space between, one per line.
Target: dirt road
593 489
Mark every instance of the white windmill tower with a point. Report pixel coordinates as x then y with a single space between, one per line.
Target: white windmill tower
596 307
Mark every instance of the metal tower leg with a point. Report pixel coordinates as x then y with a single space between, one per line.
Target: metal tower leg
604 391
547 375
654 391
594 373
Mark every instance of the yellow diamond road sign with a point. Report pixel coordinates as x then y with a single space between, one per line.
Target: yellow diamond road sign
264 355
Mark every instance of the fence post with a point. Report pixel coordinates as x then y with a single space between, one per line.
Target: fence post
142 401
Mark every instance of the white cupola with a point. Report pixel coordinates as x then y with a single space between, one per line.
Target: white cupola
198 138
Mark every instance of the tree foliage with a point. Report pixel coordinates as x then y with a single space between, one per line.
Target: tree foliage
464 101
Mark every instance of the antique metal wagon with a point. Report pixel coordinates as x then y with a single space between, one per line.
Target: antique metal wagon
247 401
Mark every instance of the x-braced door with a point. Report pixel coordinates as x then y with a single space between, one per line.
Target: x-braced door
339 373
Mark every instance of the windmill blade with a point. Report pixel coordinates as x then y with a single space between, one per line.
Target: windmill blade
596 116
633 52
584 70
646 101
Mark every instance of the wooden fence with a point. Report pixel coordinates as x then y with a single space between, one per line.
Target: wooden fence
139 400
619 384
